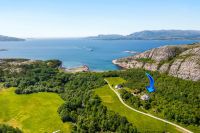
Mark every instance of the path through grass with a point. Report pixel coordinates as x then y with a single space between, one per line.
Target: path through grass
142 122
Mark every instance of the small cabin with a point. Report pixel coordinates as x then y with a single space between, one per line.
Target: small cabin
145 97
118 86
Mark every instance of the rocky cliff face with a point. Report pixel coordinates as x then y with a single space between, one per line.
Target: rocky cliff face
178 61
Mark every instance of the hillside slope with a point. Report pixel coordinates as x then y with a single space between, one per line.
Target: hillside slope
153 35
178 61
165 34
6 38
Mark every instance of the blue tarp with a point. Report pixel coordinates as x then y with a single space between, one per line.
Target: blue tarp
150 88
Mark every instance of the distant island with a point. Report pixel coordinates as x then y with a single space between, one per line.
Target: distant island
108 37
3 50
7 38
153 35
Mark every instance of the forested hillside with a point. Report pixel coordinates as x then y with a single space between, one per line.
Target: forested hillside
175 99
82 107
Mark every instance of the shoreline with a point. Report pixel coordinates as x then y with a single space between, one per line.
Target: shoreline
75 69
83 68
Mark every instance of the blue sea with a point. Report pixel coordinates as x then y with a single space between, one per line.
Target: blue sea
97 54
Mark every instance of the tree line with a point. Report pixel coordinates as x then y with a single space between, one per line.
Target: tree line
175 99
9 129
81 106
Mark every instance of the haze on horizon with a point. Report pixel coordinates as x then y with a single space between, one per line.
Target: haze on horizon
78 18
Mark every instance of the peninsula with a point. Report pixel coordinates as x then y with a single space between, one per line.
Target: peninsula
7 38
153 35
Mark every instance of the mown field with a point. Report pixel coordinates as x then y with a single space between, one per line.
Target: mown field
33 113
142 122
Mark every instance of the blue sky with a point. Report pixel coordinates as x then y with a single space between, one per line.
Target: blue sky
76 18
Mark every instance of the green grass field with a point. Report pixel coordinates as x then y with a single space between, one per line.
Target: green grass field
117 80
33 113
142 122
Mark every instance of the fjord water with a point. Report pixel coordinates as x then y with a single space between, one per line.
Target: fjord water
97 54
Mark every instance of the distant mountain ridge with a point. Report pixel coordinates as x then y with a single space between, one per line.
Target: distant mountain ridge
7 38
154 35
108 37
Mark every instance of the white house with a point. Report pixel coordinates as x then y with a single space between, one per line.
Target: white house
118 86
145 97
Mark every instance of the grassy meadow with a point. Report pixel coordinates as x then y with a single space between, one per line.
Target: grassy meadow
33 113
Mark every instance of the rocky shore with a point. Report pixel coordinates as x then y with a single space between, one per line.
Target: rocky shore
182 61
83 68
16 65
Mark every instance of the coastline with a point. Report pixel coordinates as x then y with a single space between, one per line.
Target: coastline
75 69
83 68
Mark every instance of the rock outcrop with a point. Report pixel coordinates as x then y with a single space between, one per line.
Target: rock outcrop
182 61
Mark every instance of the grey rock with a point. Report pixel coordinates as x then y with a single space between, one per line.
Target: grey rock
182 61
164 68
163 53
151 66
190 69
194 51
175 67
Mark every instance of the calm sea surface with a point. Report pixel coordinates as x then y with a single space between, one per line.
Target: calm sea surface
97 54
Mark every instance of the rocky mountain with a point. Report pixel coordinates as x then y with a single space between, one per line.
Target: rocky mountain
182 61
154 35
6 38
